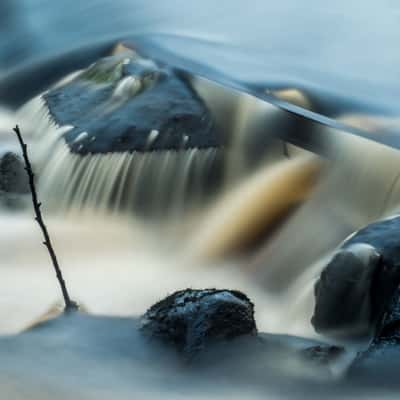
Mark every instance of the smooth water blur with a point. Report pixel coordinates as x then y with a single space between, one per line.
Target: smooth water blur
345 54
342 55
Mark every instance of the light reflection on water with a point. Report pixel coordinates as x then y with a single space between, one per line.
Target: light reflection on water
344 53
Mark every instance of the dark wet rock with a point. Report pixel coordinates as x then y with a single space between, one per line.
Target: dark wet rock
217 328
342 294
13 178
14 188
383 236
378 365
362 282
189 319
381 360
124 103
356 288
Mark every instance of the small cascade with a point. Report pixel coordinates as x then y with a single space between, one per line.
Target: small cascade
161 182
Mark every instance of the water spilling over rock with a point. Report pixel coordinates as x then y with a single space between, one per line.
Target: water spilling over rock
124 133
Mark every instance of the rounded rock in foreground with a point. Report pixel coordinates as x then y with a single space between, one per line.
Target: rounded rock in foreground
356 288
189 319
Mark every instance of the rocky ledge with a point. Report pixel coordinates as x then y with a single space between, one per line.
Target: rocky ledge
125 103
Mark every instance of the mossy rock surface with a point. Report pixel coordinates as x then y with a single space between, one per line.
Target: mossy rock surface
124 103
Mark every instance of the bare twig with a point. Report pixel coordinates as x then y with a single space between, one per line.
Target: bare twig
69 304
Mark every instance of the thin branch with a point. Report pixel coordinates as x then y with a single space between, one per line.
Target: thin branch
69 304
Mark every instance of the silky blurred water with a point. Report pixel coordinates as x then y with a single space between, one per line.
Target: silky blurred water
343 55
344 52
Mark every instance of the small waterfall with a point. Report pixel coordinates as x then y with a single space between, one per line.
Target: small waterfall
165 182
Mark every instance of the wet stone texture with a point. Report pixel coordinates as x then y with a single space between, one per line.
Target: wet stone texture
125 103
360 280
189 319
13 180
380 362
383 236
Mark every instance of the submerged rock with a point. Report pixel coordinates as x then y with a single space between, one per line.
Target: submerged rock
356 289
323 354
189 319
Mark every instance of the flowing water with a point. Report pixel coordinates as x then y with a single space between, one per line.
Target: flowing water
306 96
